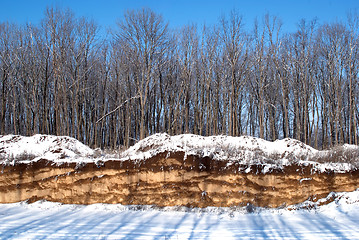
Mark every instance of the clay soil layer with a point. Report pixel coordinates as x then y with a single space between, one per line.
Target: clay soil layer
168 180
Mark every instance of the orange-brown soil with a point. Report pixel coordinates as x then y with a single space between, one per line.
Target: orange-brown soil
168 180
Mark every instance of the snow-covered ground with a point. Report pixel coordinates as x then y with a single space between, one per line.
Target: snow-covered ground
218 147
44 220
245 150
49 147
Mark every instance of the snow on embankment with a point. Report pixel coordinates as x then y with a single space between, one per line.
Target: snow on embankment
245 151
248 151
245 148
34 148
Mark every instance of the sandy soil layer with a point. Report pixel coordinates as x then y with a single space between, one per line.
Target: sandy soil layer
168 179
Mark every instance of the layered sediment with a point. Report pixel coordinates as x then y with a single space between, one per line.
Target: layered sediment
169 179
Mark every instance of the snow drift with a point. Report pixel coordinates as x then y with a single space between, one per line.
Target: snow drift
247 151
244 151
34 148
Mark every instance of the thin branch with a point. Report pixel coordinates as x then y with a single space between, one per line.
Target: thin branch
118 107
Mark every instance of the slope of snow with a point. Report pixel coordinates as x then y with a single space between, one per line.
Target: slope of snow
218 147
46 220
245 150
39 146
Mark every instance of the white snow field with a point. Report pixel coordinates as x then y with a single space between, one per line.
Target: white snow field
45 220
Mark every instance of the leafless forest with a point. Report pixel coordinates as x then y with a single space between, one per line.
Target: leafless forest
63 77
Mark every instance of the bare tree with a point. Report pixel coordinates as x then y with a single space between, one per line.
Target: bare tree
235 51
62 78
144 33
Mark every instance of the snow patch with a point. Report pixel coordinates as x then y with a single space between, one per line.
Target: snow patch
305 179
33 148
218 147
245 150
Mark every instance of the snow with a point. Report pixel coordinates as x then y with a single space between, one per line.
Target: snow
34 148
350 146
45 220
218 147
245 150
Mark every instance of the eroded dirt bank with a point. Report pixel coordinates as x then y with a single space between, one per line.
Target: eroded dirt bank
168 180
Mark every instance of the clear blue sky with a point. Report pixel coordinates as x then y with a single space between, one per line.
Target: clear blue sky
181 12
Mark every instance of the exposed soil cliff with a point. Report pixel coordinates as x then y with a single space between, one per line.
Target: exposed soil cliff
163 170
169 179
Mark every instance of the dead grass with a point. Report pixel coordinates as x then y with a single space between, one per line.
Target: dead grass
338 154
21 157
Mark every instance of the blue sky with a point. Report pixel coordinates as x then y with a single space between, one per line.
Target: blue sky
181 12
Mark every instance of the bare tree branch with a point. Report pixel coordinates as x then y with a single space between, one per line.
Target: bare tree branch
118 107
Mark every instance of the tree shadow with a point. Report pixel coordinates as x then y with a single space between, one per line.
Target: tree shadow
34 224
79 221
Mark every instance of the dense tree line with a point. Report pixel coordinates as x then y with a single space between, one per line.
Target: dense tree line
61 77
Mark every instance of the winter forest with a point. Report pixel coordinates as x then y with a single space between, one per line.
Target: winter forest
62 77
